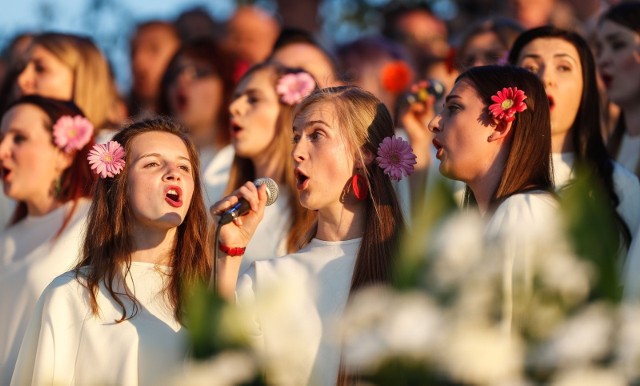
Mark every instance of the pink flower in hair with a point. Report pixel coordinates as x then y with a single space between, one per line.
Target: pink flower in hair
293 88
509 101
72 133
396 157
107 160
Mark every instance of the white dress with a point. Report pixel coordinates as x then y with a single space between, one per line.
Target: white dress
514 230
625 184
215 175
7 207
30 258
295 323
66 344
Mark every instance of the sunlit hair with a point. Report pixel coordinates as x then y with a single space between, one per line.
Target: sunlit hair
528 164
108 245
76 181
94 89
365 122
243 170
203 51
586 135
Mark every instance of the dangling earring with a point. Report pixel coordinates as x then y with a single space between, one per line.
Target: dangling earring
359 187
57 187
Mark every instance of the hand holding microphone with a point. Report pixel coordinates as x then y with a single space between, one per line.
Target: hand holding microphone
242 206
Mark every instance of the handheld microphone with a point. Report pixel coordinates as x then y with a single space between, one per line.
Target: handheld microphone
421 91
242 206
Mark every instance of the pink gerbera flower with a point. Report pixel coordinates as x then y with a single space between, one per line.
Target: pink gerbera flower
293 88
396 157
509 101
107 160
72 133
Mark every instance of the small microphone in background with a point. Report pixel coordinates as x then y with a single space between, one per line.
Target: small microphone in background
420 91
242 206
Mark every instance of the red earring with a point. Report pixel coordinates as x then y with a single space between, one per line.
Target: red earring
360 187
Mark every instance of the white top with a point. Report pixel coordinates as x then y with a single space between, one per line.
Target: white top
514 231
29 260
7 205
215 174
625 184
65 344
629 153
270 238
299 338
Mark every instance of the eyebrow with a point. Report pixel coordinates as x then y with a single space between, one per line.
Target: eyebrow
247 91
160 156
311 123
449 97
562 55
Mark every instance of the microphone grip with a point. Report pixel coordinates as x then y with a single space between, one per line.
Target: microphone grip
239 209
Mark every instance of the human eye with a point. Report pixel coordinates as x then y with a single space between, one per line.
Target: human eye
452 108
296 138
151 164
186 168
315 135
617 45
19 138
564 67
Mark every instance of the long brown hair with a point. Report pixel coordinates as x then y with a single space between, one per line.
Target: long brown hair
108 246
366 122
528 164
243 170
76 181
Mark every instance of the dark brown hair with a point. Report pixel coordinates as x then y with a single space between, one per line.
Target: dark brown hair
108 246
77 180
242 169
528 164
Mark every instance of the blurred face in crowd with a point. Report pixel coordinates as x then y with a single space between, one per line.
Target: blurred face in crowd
557 64
45 75
461 133
195 98
251 33
151 49
254 114
618 60
424 32
31 163
309 58
481 50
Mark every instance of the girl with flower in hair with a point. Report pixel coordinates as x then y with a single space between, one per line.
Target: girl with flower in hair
261 137
565 65
345 157
43 144
116 319
494 135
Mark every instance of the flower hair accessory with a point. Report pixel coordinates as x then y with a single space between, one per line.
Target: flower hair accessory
509 101
106 160
72 133
396 76
396 157
294 87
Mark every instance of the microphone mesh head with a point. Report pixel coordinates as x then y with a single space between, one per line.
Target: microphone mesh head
272 188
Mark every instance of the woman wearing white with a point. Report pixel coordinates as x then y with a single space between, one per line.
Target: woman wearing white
338 132
261 138
563 61
43 239
116 318
493 134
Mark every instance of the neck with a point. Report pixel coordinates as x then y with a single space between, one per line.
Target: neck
484 186
561 142
345 222
267 167
204 136
152 245
632 120
42 206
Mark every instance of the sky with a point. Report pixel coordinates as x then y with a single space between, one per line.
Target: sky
109 28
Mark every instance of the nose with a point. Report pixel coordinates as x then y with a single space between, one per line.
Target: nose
547 77
298 153
26 80
4 148
434 124
236 108
172 173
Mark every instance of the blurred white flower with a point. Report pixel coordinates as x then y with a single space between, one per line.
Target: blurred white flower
628 344
226 369
588 376
481 355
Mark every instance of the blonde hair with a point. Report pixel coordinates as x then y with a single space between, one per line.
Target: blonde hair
94 89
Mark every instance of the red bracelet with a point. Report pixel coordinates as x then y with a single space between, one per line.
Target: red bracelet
231 251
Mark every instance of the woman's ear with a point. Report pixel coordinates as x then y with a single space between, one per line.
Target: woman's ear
501 130
63 160
367 158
